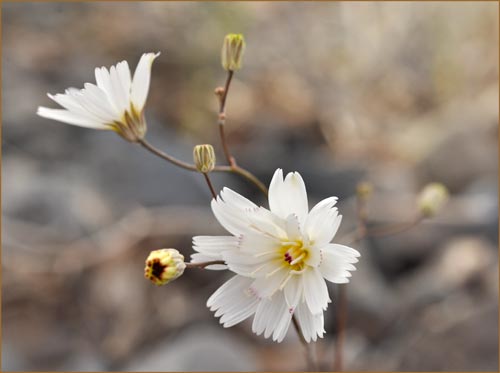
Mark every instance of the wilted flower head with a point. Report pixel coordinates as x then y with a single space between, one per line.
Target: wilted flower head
116 103
432 199
232 51
281 258
163 266
204 157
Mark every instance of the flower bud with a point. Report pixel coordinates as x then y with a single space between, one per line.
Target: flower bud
232 51
432 199
204 158
364 190
163 266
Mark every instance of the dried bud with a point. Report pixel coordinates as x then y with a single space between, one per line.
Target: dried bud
364 190
204 158
432 199
163 266
232 52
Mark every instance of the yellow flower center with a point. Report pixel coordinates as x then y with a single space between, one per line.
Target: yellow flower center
294 254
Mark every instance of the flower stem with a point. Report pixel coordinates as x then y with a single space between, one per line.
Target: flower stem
395 228
191 167
245 174
202 265
309 358
166 156
209 183
222 118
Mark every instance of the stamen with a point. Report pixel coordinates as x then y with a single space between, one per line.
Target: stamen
298 259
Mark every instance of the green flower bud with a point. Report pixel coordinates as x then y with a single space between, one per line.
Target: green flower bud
204 158
163 266
232 52
432 199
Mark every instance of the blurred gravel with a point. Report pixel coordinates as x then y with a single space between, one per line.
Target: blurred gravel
341 92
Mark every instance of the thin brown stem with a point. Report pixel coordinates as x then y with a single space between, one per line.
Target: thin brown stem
307 347
394 229
341 321
166 156
222 118
209 183
191 167
202 265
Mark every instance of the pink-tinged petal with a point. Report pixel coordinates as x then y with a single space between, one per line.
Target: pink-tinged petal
315 257
337 262
315 290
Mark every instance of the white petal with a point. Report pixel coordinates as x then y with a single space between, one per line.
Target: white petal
323 222
125 79
263 221
103 81
288 196
237 200
140 82
315 290
231 218
272 316
248 265
258 244
293 227
214 245
266 286
233 302
337 262
315 257
119 94
311 325
200 258
293 291
68 102
233 287
100 100
65 116
263 313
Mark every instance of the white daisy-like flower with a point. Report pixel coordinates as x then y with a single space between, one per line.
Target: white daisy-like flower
281 258
116 103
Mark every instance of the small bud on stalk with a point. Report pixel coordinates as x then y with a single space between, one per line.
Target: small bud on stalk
164 266
432 199
364 190
204 158
232 52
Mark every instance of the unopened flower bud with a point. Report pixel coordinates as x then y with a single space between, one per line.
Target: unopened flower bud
232 52
204 158
432 199
163 266
364 190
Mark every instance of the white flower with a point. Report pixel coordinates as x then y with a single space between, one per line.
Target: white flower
116 103
281 258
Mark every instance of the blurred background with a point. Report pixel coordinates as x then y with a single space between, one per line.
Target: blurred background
399 94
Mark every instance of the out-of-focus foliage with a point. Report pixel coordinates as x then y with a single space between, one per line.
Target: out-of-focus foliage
398 93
